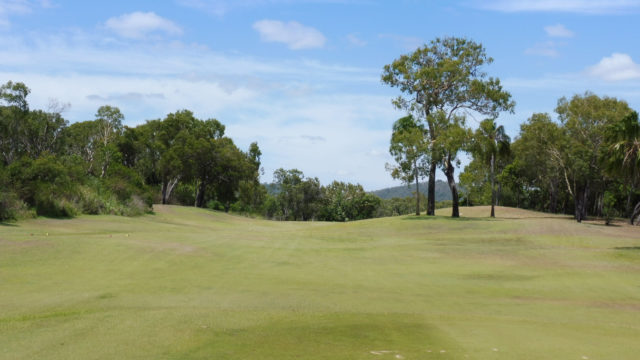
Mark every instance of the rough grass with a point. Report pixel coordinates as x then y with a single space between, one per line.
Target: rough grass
194 284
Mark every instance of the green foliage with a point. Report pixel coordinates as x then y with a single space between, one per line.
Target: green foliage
102 167
441 81
344 202
410 150
609 207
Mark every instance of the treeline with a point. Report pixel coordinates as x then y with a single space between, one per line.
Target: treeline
587 163
51 168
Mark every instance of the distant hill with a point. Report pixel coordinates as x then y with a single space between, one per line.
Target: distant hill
402 191
442 191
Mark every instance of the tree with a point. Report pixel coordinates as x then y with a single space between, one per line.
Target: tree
343 202
290 196
251 194
12 115
445 76
108 126
537 149
40 132
490 142
409 149
454 136
623 157
172 134
585 119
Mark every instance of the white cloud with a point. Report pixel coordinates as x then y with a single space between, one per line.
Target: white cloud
294 34
558 31
616 67
570 6
13 7
138 25
548 49
304 114
354 40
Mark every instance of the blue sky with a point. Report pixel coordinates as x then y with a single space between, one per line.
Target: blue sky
302 78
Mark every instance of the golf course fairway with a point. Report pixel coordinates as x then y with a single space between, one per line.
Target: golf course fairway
187 283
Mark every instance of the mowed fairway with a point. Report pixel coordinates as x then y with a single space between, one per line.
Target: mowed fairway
186 283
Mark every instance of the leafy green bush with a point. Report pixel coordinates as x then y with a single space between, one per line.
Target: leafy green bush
12 208
215 205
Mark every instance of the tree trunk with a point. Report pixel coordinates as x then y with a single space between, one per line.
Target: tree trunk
167 188
553 206
164 192
578 209
581 198
431 196
449 171
200 195
493 187
585 202
635 214
600 204
417 190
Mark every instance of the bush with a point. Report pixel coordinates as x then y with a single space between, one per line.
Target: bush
48 204
12 208
215 205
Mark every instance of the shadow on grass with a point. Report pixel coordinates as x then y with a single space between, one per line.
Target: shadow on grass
8 224
440 217
632 248
603 224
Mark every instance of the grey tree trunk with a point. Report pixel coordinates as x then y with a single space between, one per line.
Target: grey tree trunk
635 214
167 188
449 171
417 190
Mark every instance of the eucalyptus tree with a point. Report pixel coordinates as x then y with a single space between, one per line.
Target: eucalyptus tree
410 149
490 142
454 138
585 119
12 114
537 151
108 127
445 76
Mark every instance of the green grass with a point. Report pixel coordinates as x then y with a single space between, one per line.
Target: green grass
193 284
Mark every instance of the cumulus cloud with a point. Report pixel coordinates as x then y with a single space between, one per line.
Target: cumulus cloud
295 35
616 67
138 25
558 31
567 6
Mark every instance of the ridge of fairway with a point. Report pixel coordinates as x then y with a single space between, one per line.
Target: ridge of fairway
187 283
